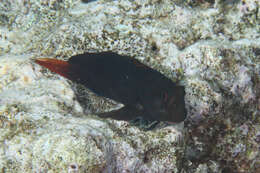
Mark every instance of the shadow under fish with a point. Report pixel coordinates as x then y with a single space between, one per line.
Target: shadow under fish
144 91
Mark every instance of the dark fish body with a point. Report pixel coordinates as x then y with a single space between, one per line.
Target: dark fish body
144 92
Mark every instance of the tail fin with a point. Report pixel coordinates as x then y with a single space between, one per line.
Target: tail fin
60 67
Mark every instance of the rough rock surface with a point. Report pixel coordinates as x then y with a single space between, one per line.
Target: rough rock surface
211 46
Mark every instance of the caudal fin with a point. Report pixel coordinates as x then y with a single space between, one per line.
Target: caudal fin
60 67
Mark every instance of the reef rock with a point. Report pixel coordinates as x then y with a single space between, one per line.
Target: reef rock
212 48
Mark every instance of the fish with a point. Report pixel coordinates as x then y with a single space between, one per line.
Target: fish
143 91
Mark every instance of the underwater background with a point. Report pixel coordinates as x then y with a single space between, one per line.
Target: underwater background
210 47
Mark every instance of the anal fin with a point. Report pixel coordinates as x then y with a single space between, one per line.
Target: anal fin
125 113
